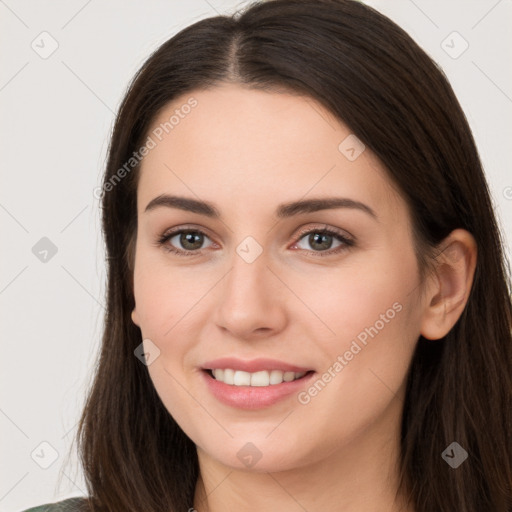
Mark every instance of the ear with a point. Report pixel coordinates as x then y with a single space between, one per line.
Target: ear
135 317
449 288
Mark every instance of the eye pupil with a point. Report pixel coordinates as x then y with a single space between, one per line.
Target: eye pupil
314 238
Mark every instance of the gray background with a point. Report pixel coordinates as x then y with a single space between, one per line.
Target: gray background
56 116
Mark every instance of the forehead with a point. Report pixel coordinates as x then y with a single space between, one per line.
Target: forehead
237 144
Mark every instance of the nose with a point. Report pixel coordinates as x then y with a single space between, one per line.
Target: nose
251 299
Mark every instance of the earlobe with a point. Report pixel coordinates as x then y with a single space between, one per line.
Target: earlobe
451 285
135 317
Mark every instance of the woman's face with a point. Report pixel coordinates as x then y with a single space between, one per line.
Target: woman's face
255 279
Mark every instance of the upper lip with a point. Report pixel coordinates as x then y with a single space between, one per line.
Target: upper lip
253 365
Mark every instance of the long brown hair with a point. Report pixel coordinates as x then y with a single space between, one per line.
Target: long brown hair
372 76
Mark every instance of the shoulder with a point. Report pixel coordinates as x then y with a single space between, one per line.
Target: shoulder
69 505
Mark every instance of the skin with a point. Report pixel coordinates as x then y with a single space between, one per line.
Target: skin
248 151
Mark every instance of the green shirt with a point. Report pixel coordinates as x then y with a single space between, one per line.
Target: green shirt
69 505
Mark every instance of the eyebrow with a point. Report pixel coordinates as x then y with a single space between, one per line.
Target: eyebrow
283 211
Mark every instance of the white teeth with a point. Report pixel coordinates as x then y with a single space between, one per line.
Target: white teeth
229 376
242 379
218 374
276 377
261 378
288 376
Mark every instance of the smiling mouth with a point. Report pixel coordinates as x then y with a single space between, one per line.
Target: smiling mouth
264 378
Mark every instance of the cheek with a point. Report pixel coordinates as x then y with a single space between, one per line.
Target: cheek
162 302
170 305
350 299
373 324
163 295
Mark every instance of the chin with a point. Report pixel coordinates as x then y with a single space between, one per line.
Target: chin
258 457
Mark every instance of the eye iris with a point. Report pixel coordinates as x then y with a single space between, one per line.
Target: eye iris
188 237
314 238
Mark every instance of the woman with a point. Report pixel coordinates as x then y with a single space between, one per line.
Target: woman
308 307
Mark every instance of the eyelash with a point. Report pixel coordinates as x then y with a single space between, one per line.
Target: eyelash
346 242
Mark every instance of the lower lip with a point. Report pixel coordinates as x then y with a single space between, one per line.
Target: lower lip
253 397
